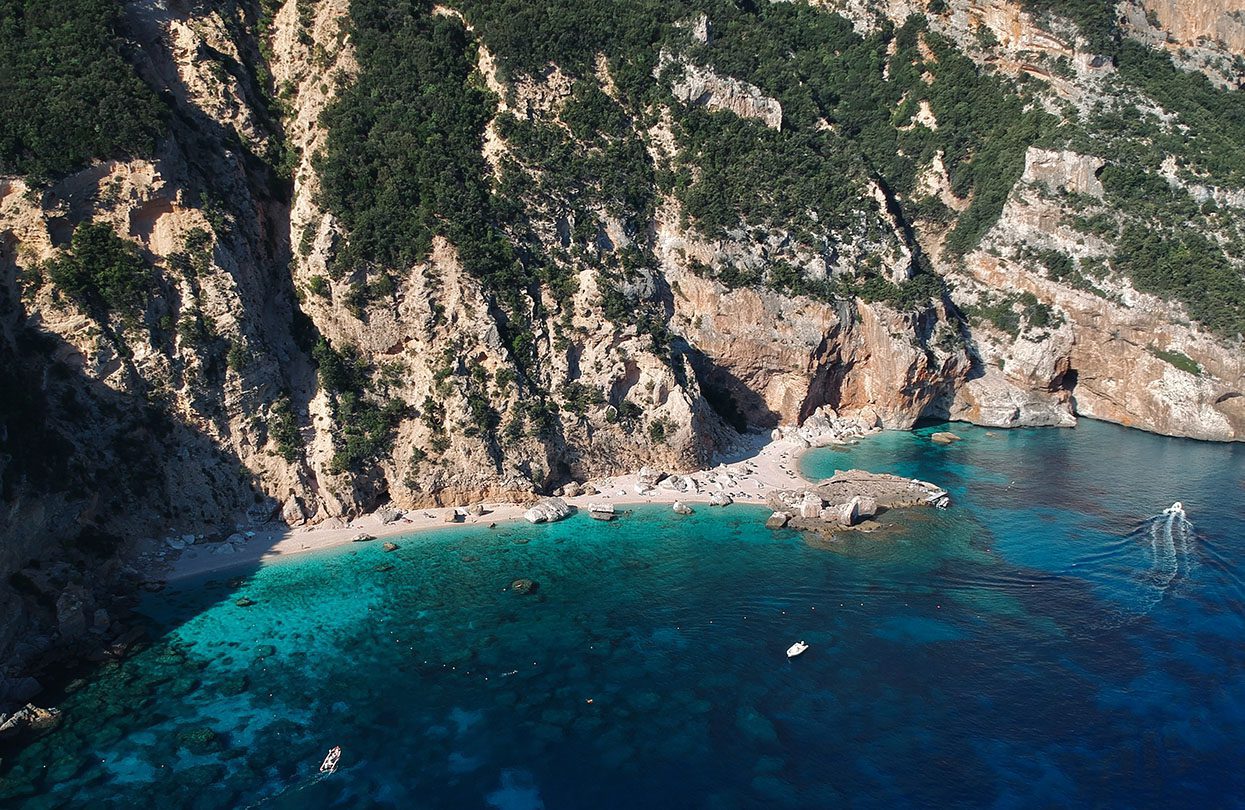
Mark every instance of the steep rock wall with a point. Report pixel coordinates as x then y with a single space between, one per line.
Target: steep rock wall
1113 352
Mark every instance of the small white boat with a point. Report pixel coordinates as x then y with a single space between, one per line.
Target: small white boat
796 649
1176 508
330 762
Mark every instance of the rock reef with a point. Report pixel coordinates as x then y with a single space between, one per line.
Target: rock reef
848 499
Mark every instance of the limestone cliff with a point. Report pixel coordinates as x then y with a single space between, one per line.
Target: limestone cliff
1109 351
1189 21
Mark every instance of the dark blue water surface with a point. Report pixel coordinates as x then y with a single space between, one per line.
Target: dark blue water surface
1052 639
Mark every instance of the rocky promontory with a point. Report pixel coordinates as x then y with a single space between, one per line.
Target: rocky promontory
848 500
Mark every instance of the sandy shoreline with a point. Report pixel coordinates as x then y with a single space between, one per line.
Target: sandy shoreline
747 476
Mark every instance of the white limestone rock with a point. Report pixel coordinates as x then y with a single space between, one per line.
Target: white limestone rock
547 510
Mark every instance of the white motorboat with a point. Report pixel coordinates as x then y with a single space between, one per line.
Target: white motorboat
1176 508
796 649
330 762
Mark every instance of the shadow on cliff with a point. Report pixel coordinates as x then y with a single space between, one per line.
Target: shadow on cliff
86 473
90 474
729 396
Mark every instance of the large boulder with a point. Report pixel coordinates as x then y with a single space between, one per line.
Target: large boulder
811 506
388 515
866 506
71 614
572 490
262 512
944 437
681 508
649 478
720 499
547 510
785 500
601 511
681 483
292 511
29 718
18 690
849 513
777 520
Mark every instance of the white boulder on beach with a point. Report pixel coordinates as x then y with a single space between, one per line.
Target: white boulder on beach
547 510
601 511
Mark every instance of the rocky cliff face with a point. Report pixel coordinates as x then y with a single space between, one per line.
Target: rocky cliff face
262 383
1106 353
1193 22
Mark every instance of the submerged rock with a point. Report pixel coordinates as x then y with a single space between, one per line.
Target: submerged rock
200 740
125 641
524 586
233 685
244 602
383 567
944 437
390 547
547 510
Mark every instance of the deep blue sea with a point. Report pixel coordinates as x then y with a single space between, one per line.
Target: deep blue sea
1050 640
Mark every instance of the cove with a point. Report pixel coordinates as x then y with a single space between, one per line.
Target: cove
1050 639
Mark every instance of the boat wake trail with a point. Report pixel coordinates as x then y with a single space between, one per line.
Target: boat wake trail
1167 542
1171 538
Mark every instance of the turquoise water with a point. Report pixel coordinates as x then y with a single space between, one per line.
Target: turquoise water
1049 640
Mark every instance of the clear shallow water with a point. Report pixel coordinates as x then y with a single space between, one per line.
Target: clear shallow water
1046 641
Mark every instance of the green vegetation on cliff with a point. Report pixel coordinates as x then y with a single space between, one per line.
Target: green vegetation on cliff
365 421
1188 266
403 161
69 95
1170 138
103 273
404 156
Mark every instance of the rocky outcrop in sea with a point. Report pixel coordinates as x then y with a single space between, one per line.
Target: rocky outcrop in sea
849 499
